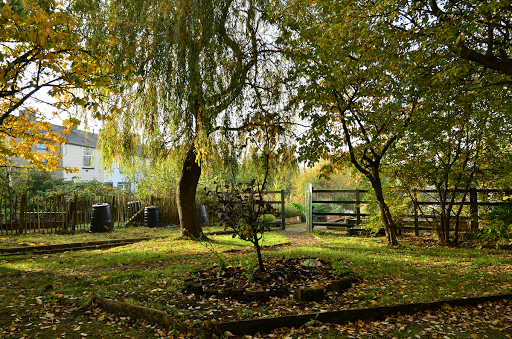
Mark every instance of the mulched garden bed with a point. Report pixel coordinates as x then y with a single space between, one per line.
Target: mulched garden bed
282 280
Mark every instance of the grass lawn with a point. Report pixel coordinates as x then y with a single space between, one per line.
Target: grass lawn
49 296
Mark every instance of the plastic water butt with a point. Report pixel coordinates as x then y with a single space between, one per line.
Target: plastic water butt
152 217
101 220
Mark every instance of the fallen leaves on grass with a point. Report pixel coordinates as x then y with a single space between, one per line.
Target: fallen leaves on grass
487 320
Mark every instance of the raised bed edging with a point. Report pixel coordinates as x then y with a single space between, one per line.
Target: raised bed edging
268 324
341 317
151 315
45 249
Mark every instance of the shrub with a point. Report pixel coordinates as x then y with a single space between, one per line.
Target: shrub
319 208
498 228
299 208
267 218
241 207
291 211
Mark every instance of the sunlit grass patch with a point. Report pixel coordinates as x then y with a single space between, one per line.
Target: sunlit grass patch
411 273
37 239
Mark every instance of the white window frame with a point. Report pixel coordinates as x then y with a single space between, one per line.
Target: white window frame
87 153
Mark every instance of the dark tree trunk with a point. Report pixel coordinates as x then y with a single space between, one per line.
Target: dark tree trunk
258 252
387 219
186 196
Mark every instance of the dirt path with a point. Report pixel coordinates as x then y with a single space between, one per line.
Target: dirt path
299 236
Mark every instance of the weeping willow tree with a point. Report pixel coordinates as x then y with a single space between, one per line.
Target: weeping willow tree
190 64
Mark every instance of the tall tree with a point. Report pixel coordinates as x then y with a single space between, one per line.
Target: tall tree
190 62
473 30
352 85
465 144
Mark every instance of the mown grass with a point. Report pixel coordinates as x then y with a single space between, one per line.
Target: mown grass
82 236
140 273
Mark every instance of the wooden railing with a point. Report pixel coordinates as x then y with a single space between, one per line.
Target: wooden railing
356 203
281 202
473 198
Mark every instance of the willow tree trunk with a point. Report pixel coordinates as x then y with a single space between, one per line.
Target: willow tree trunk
186 196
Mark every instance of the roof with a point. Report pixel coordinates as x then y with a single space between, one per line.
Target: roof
76 137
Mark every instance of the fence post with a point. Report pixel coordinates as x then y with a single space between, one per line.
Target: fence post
473 208
308 197
283 213
113 210
72 213
23 208
416 221
358 208
2 216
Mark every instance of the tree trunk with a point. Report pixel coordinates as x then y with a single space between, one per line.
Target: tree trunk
387 219
258 252
186 196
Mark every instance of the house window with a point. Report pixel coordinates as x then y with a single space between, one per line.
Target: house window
87 158
41 146
121 186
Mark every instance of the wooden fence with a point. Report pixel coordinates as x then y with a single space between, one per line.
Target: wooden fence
64 214
311 197
281 202
417 217
424 201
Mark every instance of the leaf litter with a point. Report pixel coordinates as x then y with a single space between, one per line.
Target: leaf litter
40 310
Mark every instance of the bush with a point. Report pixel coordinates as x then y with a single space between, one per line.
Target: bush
319 208
498 228
299 208
267 218
291 211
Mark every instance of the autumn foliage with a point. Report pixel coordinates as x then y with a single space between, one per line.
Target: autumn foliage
42 53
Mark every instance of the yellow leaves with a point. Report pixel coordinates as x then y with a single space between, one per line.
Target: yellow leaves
21 142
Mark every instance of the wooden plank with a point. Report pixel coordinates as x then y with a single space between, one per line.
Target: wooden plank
340 201
339 191
151 315
264 325
333 224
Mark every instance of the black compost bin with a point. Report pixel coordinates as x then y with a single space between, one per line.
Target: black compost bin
152 217
101 220
201 213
